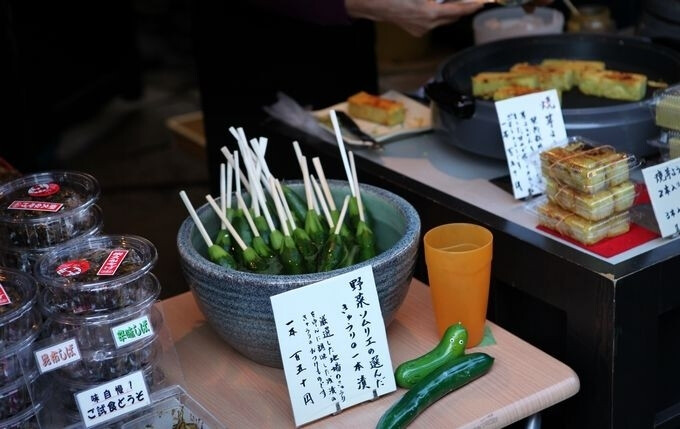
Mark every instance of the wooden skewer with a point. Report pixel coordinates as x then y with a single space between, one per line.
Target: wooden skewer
285 204
223 191
343 154
228 224
324 183
194 216
279 209
356 186
230 160
249 218
230 177
238 177
321 199
248 162
265 209
308 185
341 219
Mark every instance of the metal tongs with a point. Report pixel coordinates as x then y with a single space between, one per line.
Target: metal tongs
348 123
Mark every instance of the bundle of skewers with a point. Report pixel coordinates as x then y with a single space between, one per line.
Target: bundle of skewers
266 227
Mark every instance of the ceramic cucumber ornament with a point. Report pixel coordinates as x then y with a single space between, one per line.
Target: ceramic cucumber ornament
451 346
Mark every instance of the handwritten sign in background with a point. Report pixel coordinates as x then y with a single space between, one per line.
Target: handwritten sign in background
529 125
663 186
333 344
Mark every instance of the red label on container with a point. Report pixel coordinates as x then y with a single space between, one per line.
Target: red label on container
39 206
73 268
112 262
43 190
4 298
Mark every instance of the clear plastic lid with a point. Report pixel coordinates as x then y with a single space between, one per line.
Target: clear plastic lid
666 105
96 263
668 143
36 197
149 292
586 166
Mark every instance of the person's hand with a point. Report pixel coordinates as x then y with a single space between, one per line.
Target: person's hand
529 7
415 16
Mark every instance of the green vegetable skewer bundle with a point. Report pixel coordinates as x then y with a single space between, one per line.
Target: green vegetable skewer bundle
216 253
313 226
335 214
250 258
223 238
364 236
272 264
304 243
289 255
335 253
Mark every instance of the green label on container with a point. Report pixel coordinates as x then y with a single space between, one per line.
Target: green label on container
131 331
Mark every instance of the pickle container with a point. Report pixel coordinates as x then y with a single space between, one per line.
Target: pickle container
19 316
24 258
97 274
45 209
93 330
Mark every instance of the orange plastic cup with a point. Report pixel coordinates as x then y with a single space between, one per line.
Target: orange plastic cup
458 258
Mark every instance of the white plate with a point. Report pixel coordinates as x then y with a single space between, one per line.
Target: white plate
417 120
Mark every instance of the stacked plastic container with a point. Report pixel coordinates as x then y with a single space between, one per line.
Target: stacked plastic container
588 189
666 106
20 322
100 291
41 211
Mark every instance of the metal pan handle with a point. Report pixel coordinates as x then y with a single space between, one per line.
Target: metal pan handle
460 105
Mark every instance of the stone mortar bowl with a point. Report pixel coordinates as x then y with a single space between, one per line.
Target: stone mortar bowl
237 305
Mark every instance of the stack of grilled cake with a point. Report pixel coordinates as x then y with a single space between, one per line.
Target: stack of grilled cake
589 191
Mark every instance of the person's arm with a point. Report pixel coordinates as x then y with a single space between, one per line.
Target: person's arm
415 16
322 12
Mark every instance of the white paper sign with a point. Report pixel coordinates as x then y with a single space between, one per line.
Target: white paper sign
333 344
57 355
663 185
113 399
529 125
132 331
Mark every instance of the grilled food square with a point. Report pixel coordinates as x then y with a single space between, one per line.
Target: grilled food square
549 77
505 92
376 109
613 84
580 229
578 67
484 84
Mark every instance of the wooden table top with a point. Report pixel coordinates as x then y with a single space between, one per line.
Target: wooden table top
242 394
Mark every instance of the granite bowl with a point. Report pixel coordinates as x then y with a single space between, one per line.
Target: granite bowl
237 304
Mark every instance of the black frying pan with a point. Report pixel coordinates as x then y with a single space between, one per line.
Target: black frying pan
627 125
